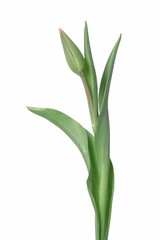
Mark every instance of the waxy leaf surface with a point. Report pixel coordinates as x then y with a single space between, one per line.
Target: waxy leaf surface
102 148
83 140
90 73
73 129
107 75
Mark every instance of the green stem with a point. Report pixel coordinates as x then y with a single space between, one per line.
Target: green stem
93 112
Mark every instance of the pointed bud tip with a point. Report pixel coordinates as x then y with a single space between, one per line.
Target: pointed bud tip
60 30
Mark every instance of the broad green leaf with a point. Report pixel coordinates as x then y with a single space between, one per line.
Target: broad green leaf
72 128
84 141
102 135
102 148
100 186
105 199
101 192
103 167
107 75
93 185
109 196
90 73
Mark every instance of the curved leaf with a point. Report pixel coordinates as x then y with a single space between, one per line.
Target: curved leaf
84 141
73 129
107 74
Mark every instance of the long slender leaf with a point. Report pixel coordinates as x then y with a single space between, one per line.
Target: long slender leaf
90 73
102 146
83 140
103 168
107 74
105 173
73 129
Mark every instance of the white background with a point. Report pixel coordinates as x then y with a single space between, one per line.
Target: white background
43 192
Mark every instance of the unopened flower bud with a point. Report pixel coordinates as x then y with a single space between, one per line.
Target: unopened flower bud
74 57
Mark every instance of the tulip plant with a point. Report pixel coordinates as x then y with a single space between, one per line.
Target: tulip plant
94 147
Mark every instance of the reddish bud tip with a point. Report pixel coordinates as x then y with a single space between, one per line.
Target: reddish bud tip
60 30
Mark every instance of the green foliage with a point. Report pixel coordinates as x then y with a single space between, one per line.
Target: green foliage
107 75
90 72
95 148
73 129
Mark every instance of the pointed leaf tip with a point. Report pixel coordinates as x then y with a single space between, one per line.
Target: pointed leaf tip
34 109
90 72
72 128
29 108
107 74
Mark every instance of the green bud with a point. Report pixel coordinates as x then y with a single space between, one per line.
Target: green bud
74 57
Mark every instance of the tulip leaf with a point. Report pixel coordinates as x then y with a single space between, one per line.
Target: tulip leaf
90 73
83 140
107 75
72 128
102 147
93 184
105 174
100 186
